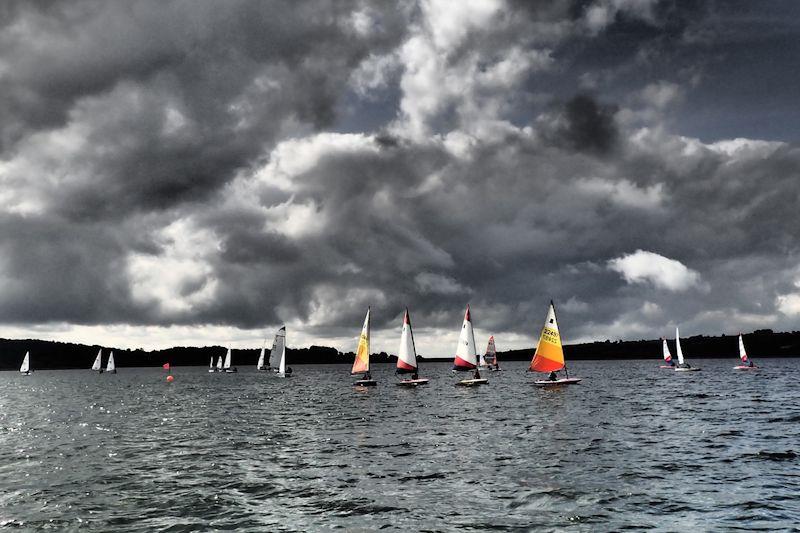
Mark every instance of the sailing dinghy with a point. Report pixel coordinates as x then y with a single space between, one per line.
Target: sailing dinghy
227 366
111 367
491 356
219 363
277 351
466 355
361 364
747 364
211 367
261 365
407 356
97 366
283 370
667 356
25 367
682 365
549 355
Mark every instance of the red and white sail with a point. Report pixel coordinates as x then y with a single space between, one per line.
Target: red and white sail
742 352
407 353
466 354
665 349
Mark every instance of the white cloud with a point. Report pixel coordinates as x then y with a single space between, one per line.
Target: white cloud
662 272
788 304
624 192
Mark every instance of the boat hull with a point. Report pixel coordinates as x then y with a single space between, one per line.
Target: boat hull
283 375
472 382
28 373
670 367
687 369
230 370
412 382
557 382
743 367
365 383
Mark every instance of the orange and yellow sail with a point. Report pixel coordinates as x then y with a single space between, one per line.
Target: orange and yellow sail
549 356
361 364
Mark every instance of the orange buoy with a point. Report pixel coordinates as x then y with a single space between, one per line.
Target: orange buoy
170 378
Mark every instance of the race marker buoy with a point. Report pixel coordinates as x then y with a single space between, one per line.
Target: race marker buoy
170 378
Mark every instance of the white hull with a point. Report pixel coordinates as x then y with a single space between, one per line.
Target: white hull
686 369
412 382
557 382
741 367
472 382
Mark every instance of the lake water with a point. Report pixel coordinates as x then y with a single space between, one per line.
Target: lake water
632 447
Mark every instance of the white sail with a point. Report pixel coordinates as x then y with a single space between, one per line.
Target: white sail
466 354
110 366
211 362
742 352
277 347
678 347
407 353
260 363
665 349
227 363
98 361
282 364
26 363
219 363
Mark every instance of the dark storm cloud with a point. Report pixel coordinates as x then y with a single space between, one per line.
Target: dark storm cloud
185 163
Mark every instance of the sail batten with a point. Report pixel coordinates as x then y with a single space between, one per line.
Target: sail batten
361 364
549 355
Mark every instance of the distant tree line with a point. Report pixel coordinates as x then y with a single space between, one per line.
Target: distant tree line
60 355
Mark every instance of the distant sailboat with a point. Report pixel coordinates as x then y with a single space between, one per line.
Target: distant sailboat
466 358
283 370
260 365
667 355
25 367
549 356
97 366
747 364
219 364
361 364
682 366
491 356
407 356
278 346
211 367
227 367
111 368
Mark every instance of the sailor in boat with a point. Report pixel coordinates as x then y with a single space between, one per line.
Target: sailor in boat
367 376
477 374
553 376
288 370
684 365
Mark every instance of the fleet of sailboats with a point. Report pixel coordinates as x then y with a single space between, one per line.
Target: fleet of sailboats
549 356
361 363
466 358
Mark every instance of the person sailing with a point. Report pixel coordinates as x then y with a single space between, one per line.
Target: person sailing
553 376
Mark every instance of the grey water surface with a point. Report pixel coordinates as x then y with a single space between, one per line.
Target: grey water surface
631 448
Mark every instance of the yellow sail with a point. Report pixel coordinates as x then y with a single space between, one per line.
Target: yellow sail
549 355
361 364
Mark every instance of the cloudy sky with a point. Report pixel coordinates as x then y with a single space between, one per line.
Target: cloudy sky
196 172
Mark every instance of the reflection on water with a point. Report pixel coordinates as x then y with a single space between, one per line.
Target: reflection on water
631 447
